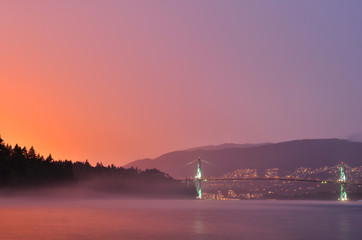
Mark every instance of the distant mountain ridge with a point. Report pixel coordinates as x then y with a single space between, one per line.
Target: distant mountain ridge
226 145
141 162
357 137
286 156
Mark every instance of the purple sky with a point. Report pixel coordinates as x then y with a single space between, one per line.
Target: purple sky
114 81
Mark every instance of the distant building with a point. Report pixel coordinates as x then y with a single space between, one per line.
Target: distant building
271 172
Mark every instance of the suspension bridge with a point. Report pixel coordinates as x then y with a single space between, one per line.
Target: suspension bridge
342 180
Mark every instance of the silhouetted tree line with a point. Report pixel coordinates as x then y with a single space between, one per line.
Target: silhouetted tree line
20 167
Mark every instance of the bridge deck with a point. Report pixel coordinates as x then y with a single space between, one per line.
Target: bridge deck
267 179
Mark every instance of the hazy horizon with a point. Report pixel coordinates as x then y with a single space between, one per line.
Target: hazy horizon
114 82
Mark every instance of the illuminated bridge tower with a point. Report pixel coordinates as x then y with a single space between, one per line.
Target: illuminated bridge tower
198 179
342 181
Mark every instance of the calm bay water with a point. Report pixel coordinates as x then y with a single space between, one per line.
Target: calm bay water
35 219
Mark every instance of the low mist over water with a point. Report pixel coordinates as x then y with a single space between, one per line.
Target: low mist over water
34 219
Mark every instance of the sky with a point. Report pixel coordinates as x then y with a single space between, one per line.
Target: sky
117 81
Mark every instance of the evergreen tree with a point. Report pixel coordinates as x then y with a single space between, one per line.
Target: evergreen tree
49 158
31 153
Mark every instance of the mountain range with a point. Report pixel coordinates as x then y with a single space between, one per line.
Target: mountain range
287 156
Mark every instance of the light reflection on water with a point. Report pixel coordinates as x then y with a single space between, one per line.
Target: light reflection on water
178 219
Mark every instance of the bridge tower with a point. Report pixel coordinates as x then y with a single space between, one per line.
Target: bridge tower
198 179
342 181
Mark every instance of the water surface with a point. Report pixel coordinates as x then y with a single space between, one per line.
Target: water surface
96 219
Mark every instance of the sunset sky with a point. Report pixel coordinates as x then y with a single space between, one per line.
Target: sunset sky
115 81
